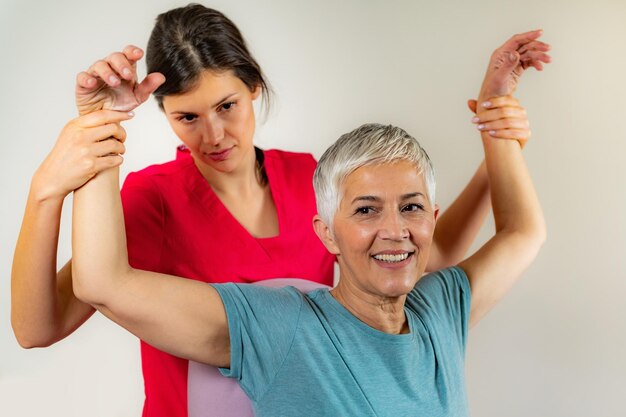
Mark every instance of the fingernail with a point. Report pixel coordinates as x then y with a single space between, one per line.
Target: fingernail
126 72
480 127
131 114
475 120
492 132
137 51
113 79
487 104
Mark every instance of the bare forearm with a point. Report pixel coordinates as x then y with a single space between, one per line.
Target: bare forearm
458 226
43 307
515 203
100 258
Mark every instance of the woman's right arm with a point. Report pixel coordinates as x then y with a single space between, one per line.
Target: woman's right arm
44 309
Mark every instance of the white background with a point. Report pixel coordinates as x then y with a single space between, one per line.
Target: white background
554 347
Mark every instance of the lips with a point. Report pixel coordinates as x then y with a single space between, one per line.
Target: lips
221 155
393 259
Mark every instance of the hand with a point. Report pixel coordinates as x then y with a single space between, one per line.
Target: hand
503 118
111 83
509 61
87 145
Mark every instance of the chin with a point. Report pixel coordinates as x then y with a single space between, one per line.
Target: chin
398 288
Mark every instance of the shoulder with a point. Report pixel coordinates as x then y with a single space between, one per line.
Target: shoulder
250 296
157 172
447 280
299 160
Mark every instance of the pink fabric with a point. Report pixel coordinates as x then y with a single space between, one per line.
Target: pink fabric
210 393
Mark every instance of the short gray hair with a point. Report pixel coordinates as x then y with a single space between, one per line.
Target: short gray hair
369 144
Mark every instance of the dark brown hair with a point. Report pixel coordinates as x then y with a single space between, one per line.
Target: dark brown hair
189 40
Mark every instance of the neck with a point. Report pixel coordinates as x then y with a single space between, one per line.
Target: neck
242 181
381 313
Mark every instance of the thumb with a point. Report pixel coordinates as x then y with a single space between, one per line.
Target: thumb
471 104
507 61
148 86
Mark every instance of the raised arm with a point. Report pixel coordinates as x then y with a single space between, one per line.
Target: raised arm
180 316
520 227
43 306
459 224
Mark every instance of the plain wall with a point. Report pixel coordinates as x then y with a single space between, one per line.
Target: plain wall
553 347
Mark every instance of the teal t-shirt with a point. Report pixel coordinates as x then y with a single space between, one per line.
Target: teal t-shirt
298 354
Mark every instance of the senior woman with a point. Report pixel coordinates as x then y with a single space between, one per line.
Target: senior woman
386 341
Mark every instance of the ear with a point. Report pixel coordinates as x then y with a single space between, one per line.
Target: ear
256 92
436 213
324 233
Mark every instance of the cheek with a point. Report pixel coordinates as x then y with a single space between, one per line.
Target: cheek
423 232
358 238
182 132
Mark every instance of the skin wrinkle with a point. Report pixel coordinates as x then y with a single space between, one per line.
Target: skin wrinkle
385 210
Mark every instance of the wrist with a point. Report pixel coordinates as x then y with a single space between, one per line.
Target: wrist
42 191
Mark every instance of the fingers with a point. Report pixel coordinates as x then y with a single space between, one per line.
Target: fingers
533 53
501 124
102 117
535 59
500 101
106 162
534 46
107 147
519 40
503 118
115 67
493 114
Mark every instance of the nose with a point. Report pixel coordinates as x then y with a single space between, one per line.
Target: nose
393 227
213 131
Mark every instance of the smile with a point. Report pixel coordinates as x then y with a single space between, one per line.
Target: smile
392 258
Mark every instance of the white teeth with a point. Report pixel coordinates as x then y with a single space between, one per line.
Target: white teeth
392 258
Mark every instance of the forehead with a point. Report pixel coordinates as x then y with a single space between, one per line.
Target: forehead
388 180
210 87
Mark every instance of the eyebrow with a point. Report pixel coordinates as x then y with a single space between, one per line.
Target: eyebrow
221 101
374 198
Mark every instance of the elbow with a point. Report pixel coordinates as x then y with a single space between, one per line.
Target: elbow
540 233
97 286
30 340
87 286
534 240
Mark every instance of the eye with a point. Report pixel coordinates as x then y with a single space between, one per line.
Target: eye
227 106
187 118
412 207
365 210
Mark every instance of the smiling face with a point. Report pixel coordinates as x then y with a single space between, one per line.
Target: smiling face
383 229
215 120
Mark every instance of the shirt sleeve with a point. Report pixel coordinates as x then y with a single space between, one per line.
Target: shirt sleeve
446 295
262 323
143 219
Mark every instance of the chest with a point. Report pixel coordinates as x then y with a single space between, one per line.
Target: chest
355 374
255 213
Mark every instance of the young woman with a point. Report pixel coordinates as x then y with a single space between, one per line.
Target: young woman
222 211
